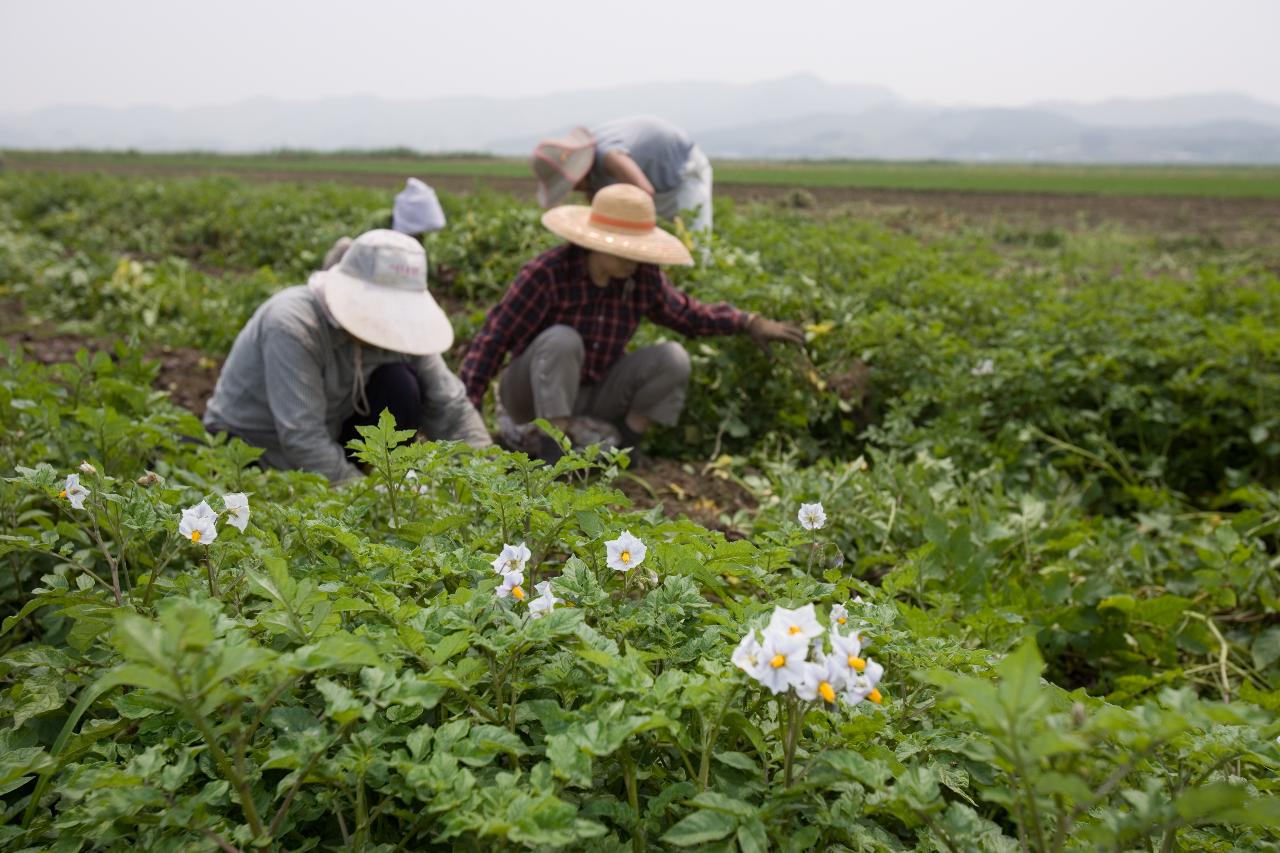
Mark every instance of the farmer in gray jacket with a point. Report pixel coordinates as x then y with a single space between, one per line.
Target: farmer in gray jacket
317 360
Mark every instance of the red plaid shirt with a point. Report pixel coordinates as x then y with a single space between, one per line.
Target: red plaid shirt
555 288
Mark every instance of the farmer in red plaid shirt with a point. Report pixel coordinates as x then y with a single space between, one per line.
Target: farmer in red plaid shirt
569 314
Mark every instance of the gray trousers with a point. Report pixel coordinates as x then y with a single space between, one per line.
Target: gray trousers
545 381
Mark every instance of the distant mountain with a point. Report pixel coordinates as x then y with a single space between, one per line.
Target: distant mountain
993 135
1178 111
500 125
793 117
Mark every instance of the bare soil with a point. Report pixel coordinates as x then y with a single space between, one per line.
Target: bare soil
681 488
189 377
1235 221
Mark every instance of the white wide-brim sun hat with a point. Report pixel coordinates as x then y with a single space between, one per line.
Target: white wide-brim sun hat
378 293
620 221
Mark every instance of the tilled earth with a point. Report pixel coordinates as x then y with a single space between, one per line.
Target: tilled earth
1233 221
190 375
693 489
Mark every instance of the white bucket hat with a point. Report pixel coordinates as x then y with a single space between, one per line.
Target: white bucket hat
378 293
417 210
620 221
558 164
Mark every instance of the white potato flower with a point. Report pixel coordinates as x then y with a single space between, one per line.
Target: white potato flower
986 367
512 559
863 685
624 553
822 678
812 516
746 656
801 622
237 505
510 586
74 492
197 523
545 602
846 650
782 660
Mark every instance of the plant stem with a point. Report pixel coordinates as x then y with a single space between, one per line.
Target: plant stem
213 582
228 770
794 718
709 738
633 798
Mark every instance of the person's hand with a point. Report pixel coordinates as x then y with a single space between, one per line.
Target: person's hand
764 331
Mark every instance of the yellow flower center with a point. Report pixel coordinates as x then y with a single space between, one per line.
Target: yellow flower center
778 661
827 692
857 663
842 620
517 592
875 696
195 536
625 556
62 494
793 630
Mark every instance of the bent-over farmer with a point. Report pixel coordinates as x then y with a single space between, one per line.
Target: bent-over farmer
317 360
643 151
569 314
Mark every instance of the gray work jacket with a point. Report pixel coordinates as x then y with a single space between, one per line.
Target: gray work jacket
290 383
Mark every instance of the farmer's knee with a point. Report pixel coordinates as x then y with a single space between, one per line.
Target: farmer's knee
673 361
560 342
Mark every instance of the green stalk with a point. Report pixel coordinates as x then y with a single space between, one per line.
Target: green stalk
633 798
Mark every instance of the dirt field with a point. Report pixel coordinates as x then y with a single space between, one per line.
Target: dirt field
687 488
1242 221
189 376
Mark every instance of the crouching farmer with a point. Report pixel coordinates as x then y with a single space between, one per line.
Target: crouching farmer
317 360
567 318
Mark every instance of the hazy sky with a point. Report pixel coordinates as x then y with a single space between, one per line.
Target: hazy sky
1007 52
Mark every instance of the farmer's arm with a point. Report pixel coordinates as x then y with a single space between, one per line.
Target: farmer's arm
668 306
295 395
447 413
678 310
620 166
510 325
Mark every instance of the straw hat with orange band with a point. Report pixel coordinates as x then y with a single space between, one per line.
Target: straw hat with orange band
620 221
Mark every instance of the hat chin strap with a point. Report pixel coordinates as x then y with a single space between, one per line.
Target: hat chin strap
358 395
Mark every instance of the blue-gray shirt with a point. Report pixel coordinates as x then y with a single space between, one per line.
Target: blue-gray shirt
659 148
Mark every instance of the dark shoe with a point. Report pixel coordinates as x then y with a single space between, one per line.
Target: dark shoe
547 448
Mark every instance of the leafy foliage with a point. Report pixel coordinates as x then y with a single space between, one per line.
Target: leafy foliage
1067 562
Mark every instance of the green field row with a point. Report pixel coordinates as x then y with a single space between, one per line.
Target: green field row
1226 181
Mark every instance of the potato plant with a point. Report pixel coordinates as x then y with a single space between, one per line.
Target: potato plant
1047 469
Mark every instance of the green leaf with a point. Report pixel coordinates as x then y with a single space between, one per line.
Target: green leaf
752 837
1266 648
1020 678
568 761
1209 800
699 828
719 802
341 705
339 651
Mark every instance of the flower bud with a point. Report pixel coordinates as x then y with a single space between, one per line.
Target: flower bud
148 479
86 468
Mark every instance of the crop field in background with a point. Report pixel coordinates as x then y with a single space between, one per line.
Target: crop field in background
1206 181
1046 436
